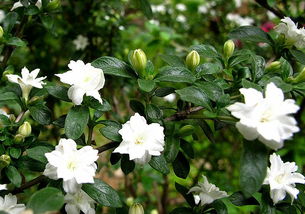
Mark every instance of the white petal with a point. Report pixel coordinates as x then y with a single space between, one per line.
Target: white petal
76 95
274 94
96 95
277 195
72 209
251 95
71 186
13 78
248 133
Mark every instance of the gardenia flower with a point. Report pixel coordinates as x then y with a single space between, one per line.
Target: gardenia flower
170 98
181 7
158 8
79 201
81 42
9 205
282 178
4 113
141 140
74 166
2 15
181 18
240 21
3 187
18 4
265 118
27 81
85 79
293 35
207 192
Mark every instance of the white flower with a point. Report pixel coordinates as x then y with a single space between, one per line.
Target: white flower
293 35
282 178
203 9
181 18
238 20
4 113
85 79
141 140
270 15
81 42
154 22
79 201
9 204
18 4
158 8
3 187
196 199
238 3
170 98
265 118
74 166
207 192
27 81
2 15
181 7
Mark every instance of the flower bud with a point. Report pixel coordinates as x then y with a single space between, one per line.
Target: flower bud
5 160
19 138
129 201
136 209
1 32
25 129
299 78
138 61
273 66
154 211
192 60
228 49
186 130
12 117
53 5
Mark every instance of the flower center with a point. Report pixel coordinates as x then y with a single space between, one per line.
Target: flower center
71 165
139 140
87 79
266 116
280 178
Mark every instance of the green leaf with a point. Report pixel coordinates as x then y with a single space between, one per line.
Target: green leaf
38 153
184 192
58 91
247 84
111 132
40 113
15 41
102 193
172 146
95 104
15 152
239 57
181 166
298 55
115 158
206 51
4 120
182 210
76 121
144 5
13 175
238 199
207 130
173 60
159 163
137 106
114 66
286 68
32 10
208 68
146 85
8 96
251 34
47 21
175 74
220 207
258 67
212 90
9 21
187 148
154 112
127 165
162 92
194 95
267 206
46 200
253 167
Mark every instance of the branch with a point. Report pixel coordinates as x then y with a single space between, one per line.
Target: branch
29 184
276 12
183 114
107 146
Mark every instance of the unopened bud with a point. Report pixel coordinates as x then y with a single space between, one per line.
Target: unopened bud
299 78
186 130
129 201
273 66
228 49
1 32
19 138
136 209
192 60
53 5
154 211
138 61
25 129
5 160
12 117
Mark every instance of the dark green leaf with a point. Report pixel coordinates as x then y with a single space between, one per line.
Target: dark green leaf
15 152
184 192
212 90
115 158
46 200
47 21
32 10
286 68
58 91
182 210
60 122
114 66
162 92
220 207
38 153
9 21
159 163
13 175
76 121
173 60
127 165
247 84
8 96
41 114
144 5
175 74
181 166
208 68
4 120
112 132
298 55
253 167
187 148
137 106
194 95
15 41
258 67
153 112
251 34
207 130
172 146
146 85
205 51
95 104
238 199
102 193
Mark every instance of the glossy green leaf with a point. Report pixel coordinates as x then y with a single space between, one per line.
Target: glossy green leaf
175 74
251 34
181 166
13 175
146 85
76 121
159 163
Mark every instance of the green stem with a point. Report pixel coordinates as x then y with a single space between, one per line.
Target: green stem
90 133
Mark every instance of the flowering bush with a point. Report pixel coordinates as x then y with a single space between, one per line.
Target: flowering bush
104 112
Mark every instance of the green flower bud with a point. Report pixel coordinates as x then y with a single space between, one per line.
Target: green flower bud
1 32
53 5
192 60
186 130
5 160
228 49
25 129
273 66
129 201
154 211
138 61
299 78
19 138
136 209
12 117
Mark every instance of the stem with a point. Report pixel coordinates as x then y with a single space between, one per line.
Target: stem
183 114
90 133
29 184
107 146
20 116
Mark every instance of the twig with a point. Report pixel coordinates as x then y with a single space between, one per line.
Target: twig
183 114
164 197
107 146
29 184
276 12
